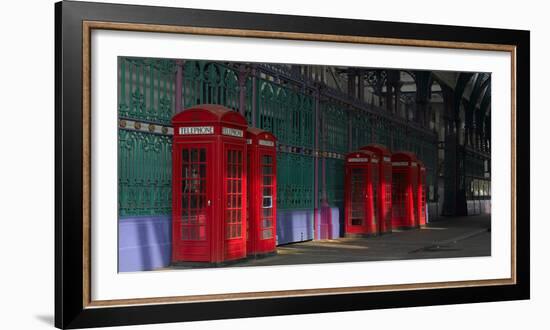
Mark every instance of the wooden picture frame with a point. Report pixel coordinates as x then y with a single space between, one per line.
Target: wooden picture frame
75 21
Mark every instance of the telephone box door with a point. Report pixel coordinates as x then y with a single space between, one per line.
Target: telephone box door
266 230
422 195
234 201
422 189
192 227
374 191
357 196
405 190
399 198
261 223
415 221
387 206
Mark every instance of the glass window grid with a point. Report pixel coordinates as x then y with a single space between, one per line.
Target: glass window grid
398 194
233 211
388 192
423 210
193 194
357 200
414 185
375 182
268 179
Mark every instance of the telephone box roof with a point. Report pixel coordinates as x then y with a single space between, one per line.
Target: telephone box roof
378 148
260 133
209 113
404 155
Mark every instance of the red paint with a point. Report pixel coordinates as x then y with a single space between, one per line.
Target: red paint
209 185
361 192
421 194
404 190
262 192
385 186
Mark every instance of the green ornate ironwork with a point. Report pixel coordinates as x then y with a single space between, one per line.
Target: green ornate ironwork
286 113
382 132
144 173
477 185
334 132
147 93
289 115
335 181
146 89
429 157
214 83
361 129
334 140
294 181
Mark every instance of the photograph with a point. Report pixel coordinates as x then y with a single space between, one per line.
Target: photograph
274 165
215 164
242 164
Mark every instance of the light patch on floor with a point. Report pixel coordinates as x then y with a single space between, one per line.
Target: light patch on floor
351 247
333 244
287 251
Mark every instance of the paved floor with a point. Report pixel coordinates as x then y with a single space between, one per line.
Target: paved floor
451 237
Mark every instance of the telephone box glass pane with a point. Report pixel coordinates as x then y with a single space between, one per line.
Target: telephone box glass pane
193 194
267 202
388 201
388 193
267 197
267 212
194 155
233 214
423 205
398 194
249 183
267 233
414 186
358 181
202 155
375 182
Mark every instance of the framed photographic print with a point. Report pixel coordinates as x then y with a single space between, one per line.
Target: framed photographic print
218 164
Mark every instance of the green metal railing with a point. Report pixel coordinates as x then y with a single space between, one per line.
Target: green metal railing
334 143
146 89
147 92
144 173
206 82
334 131
289 115
294 181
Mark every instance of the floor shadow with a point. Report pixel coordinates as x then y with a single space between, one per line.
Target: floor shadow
48 319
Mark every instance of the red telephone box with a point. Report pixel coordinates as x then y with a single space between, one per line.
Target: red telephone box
261 231
208 185
404 190
384 187
421 194
361 193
